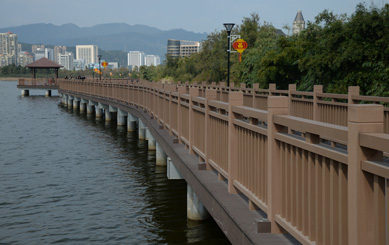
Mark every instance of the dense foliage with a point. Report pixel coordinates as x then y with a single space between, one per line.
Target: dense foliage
14 71
336 51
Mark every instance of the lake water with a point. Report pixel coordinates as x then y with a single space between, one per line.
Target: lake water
68 178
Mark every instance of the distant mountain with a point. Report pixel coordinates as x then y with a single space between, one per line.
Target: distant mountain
114 36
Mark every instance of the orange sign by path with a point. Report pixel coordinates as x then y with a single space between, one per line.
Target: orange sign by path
240 45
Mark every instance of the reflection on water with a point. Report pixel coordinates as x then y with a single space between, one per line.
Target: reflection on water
69 178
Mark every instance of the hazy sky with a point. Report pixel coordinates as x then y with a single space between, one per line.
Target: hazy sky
198 16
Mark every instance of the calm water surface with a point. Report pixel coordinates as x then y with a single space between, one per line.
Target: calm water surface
67 178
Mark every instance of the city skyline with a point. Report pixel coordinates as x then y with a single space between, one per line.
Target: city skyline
167 15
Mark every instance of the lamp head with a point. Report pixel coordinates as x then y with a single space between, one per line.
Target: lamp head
229 26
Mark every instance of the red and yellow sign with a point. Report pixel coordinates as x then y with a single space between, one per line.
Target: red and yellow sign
240 45
104 64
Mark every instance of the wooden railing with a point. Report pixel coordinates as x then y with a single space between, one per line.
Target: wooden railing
313 162
37 81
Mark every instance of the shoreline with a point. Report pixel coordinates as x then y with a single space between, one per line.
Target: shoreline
9 79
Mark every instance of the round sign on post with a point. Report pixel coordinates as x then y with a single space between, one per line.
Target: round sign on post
104 64
240 45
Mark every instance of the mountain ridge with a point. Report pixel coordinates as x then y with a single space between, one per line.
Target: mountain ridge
107 36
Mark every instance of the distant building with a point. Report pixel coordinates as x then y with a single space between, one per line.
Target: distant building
182 48
113 65
135 59
8 49
88 53
39 53
66 60
35 47
58 50
49 53
79 64
299 23
25 58
153 60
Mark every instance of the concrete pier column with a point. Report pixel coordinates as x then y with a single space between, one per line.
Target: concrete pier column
83 106
64 100
89 108
25 92
121 118
151 141
160 155
99 112
142 130
48 93
75 104
70 102
108 116
195 209
131 123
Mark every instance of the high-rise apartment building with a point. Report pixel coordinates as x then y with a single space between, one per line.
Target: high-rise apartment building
66 60
299 23
39 53
88 53
35 47
135 59
49 53
8 48
153 60
58 50
182 48
25 58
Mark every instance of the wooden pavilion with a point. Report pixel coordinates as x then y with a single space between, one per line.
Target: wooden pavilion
43 63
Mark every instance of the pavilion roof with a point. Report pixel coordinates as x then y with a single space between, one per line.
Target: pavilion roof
43 63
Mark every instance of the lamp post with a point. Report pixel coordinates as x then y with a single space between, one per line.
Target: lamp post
99 56
228 27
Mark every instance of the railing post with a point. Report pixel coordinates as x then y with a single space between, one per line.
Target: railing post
234 99
276 105
210 94
292 88
193 92
180 90
272 88
361 119
317 89
352 91
255 87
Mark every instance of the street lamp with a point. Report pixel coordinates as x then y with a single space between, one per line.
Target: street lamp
228 27
99 56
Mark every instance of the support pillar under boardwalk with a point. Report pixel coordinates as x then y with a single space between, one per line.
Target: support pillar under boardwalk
99 112
75 103
121 118
195 209
25 92
131 123
150 140
48 93
83 104
64 100
70 102
108 116
91 107
142 130
160 155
